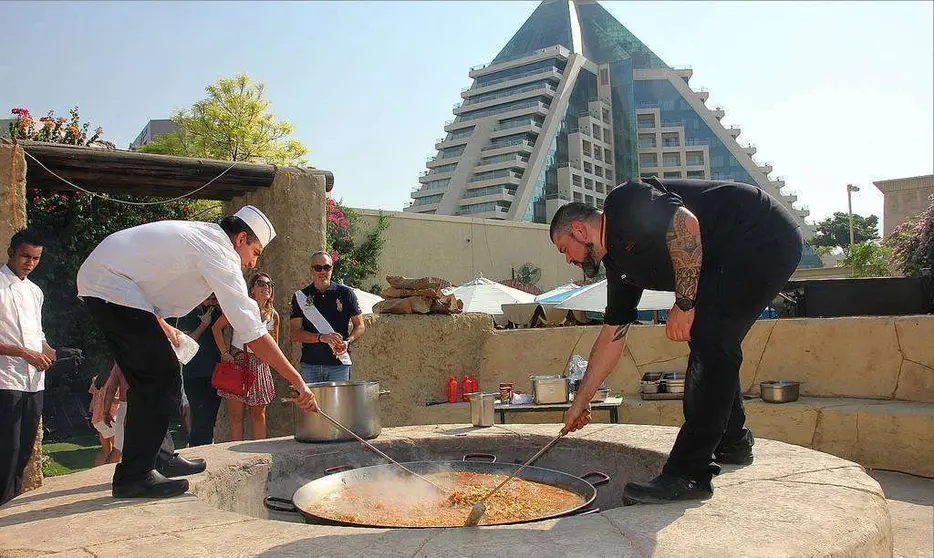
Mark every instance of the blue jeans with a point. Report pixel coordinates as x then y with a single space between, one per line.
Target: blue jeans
313 373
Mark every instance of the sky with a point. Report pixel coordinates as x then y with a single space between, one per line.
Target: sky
830 92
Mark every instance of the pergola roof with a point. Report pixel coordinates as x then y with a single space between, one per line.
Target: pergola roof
118 172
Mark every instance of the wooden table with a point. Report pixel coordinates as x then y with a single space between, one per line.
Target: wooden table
611 404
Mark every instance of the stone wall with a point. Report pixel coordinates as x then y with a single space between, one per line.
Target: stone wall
868 391
13 218
883 358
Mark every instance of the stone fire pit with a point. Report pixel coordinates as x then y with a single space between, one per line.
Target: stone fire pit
792 501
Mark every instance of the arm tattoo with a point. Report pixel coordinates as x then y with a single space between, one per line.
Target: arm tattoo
621 332
684 246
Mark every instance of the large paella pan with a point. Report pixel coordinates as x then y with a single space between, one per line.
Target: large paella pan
385 496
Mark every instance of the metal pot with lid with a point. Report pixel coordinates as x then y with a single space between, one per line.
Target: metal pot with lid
354 404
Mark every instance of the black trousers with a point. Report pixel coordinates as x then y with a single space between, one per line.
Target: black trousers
731 296
153 373
204 402
20 412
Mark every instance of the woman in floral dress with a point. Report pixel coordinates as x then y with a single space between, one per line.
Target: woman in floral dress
263 390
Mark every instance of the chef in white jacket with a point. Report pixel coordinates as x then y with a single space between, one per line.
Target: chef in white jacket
136 278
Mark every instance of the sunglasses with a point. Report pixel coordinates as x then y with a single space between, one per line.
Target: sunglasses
262 283
325 267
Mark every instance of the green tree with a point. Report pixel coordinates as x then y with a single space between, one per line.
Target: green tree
353 262
867 259
835 231
912 243
72 224
234 123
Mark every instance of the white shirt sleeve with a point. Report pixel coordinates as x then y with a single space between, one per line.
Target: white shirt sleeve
41 302
225 278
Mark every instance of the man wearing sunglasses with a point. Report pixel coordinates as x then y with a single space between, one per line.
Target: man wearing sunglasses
321 316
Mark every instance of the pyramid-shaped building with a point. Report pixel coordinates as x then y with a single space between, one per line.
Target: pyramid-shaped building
573 105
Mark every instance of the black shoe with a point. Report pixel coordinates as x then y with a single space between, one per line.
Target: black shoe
152 485
664 489
178 466
738 454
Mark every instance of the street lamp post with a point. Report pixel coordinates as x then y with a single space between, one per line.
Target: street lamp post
850 188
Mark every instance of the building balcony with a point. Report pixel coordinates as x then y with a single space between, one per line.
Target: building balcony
491 150
552 74
777 182
556 51
529 128
537 92
766 168
718 113
684 72
476 196
703 95
513 180
518 162
497 213
428 176
452 125
749 149
439 160
734 131
442 143
788 198
421 192
420 208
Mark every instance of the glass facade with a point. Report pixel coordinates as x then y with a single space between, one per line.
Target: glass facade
675 111
723 165
549 25
546 184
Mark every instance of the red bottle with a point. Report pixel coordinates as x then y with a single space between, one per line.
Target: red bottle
452 389
466 388
471 385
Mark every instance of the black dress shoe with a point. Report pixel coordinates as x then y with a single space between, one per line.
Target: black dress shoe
178 466
664 489
152 485
737 454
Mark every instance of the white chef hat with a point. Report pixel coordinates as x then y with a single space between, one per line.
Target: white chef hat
258 223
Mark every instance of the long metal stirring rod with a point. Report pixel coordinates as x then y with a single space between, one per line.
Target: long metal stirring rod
374 448
480 507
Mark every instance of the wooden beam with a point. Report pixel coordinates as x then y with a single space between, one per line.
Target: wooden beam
130 173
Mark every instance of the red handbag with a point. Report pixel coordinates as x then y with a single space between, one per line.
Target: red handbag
232 377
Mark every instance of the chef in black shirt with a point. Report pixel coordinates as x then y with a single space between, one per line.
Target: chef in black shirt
726 249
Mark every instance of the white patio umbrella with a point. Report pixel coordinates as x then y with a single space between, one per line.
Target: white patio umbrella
570 286
483 295
366 300
593 299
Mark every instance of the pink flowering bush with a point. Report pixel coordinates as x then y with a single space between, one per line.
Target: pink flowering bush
353 263
912 243
52 129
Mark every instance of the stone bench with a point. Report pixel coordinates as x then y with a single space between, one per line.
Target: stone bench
878 434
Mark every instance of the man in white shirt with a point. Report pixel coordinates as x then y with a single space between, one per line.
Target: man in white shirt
136 278
24 358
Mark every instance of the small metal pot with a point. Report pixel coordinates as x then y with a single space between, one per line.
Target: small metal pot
481 408
779 391
353 404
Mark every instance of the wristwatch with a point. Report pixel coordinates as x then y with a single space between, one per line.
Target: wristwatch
684 303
